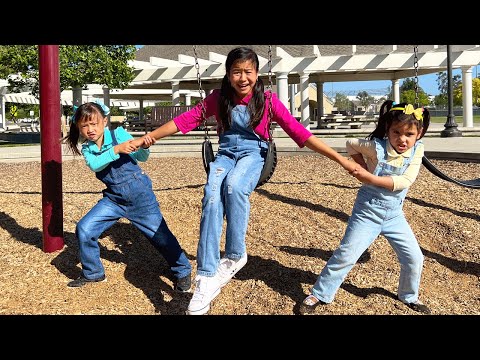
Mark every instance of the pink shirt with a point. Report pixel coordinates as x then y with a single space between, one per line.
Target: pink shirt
191 119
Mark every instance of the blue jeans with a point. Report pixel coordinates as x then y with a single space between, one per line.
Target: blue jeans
143 211
232 178
370 218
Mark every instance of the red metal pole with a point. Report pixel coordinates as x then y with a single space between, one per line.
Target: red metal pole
51 148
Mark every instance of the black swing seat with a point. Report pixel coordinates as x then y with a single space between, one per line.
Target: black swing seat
268 167
474 184
207 154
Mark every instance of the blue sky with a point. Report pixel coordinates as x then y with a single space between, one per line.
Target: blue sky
427 82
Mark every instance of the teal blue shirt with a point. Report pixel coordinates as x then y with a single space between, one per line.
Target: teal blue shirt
97 159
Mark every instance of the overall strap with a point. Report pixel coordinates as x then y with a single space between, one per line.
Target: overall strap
114 139
414 149
381 149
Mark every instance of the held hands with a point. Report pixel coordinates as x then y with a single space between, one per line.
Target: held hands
358 158
126 147
137 142
360 171
357 171
145 141
148 141
361 174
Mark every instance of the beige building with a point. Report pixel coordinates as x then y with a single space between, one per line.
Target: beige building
312 95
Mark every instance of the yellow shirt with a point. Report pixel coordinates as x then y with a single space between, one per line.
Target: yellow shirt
368 150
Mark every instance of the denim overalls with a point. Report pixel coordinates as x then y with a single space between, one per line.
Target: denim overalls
128 194
377 211
232 178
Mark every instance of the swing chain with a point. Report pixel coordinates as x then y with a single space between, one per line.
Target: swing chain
415 66
270 87
200 90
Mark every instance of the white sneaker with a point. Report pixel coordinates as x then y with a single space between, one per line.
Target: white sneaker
229 267
206 289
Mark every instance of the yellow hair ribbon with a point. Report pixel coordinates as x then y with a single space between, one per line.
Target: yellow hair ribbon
409 109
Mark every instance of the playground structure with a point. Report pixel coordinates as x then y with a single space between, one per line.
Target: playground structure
450 125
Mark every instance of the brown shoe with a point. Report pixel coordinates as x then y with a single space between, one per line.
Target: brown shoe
419 307
309 304
82 280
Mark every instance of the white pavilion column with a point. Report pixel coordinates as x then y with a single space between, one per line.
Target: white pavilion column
320 109
175 93
467 96
396 90
282 87
3 123
106 101
188 99
304 105
292 91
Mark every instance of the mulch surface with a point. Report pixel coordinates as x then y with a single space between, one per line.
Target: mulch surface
297 219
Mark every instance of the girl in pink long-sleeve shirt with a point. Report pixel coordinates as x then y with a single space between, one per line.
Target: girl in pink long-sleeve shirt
241 110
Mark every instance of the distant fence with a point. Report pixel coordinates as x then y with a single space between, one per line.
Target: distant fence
456 112
163 114
159 116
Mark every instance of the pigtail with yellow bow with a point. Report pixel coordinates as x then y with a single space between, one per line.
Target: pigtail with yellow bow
409 109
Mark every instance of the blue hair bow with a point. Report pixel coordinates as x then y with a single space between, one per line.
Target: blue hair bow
105 108
72 118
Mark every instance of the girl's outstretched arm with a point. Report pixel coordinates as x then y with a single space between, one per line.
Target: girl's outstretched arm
358 158
317 145
368 178
167 129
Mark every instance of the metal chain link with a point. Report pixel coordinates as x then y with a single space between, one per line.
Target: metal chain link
200 90
270 87
415 66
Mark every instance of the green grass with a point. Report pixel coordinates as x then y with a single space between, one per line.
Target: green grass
458 120
10 144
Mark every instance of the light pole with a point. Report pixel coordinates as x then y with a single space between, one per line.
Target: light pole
450 126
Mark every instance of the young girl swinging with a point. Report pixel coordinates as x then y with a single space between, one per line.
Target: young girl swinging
241 110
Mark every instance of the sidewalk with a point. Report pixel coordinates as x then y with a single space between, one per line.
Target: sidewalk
465 148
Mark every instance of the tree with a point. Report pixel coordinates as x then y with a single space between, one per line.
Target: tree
442 82
116 111
342 102
365 99
476 91
13 113
15 57
407 93
408 84
441 100
79 65
458 93
408 96
389 94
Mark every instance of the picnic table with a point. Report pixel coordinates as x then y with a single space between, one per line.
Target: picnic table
335 120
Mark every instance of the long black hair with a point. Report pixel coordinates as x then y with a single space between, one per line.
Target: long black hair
256 105
388 116
84 112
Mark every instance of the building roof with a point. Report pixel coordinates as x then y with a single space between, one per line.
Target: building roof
160 65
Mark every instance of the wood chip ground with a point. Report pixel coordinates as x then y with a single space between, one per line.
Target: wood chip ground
297 219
